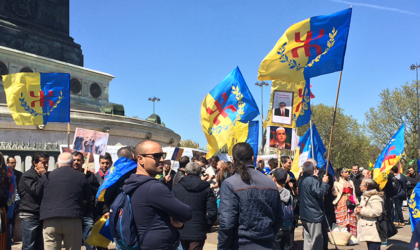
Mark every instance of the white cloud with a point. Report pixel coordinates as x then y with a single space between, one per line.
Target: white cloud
376 7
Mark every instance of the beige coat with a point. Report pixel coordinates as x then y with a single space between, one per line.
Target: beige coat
338 191
366 223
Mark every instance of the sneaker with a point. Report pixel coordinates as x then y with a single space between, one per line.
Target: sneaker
402 224
396 224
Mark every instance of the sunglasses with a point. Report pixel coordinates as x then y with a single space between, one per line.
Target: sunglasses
156 156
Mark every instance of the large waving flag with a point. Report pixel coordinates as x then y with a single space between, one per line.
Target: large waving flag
310 48
414 206
227 104
301 109
38 98
388 158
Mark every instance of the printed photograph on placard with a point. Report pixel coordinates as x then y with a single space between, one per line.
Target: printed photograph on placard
281 138
90 141
91 163
282 107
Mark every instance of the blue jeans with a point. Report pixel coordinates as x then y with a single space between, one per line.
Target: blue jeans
32 234
87 228
398 210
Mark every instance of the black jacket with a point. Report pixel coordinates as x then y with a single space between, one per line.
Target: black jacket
169 184
18 175
357 180
197 194
311 195
412 182
149 197
30 192
65 194
178 176
94 185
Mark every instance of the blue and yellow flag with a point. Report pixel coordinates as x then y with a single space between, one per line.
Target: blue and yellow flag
246 132
414 206
101 234
227 104
300 103
310 48
121 167
38 98
177 154
389 157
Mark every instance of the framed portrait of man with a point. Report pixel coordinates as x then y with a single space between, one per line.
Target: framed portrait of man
282 107
281 138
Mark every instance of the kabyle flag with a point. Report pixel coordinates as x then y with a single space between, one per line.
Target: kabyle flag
310 48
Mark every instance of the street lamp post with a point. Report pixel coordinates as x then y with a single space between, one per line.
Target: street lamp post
416 67
262 84
153 100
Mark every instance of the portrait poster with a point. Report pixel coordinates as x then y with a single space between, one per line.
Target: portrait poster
282 107
281 138
90 141
91 162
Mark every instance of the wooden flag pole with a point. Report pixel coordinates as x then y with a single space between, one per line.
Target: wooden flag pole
332 125
279 160
68 136
170 170
87 162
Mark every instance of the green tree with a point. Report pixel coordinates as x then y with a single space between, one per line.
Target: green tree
395 107
188 144
349 145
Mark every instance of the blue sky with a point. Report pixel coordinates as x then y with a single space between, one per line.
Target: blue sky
180 50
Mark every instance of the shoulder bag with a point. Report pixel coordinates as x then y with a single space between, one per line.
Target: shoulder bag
385 226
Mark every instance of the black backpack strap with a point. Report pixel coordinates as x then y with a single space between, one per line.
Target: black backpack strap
147 230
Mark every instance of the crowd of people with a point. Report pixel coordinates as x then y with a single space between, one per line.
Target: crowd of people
252 206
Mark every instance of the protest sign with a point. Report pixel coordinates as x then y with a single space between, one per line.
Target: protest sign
281 138
91 162
90 141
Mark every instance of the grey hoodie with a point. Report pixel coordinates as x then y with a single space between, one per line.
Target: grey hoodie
284 197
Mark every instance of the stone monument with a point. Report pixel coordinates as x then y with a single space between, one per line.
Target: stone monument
34 37
40 27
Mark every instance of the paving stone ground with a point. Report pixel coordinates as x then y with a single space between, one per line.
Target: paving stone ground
400 241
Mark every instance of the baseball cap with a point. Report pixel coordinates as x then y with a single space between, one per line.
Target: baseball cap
280 175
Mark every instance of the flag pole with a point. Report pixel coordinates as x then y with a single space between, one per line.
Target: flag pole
87 162
332 125
312 139
68 136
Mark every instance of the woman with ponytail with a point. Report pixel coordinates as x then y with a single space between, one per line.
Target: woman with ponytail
250 209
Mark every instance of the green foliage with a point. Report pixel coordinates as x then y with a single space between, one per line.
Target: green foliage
350 145
188 144
396 107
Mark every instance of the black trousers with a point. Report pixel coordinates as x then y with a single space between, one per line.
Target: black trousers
373 245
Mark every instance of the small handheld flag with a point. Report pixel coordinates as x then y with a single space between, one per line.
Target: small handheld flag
177 154
38 98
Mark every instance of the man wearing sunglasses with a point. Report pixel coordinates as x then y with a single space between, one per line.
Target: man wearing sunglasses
152 202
